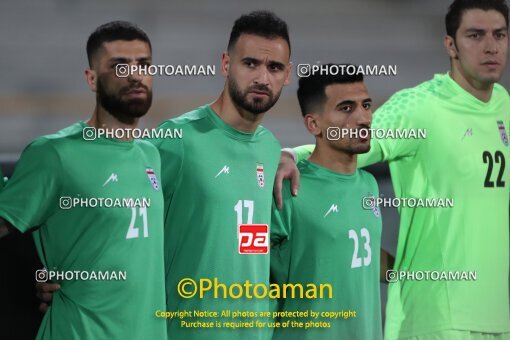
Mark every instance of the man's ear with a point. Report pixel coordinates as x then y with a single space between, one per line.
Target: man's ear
288 77
91 78
313 123
451 48
225 63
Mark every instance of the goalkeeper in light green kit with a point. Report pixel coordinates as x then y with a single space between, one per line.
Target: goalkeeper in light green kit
464 157
324 236
127 240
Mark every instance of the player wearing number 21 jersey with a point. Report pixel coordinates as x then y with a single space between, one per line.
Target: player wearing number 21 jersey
107 257
324 235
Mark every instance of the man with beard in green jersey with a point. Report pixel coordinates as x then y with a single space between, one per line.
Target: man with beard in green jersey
464 157
219 176
217 181
123 245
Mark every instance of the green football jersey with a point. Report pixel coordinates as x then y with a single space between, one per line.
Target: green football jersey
463 157
325 236
214 179
109 258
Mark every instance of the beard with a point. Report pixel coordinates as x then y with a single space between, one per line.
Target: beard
257 105
125 110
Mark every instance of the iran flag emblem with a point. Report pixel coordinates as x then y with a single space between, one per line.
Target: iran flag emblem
152 178
260 174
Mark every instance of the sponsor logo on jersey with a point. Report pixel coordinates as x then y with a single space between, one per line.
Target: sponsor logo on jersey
502 132
113 178
152 178
253 238
468 133
224 170
333 208
260 174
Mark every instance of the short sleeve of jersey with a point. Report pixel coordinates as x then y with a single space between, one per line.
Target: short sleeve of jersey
280 219
172 156
30 196
401 112
303 152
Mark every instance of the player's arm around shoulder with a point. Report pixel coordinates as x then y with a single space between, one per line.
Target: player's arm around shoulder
31 196
281 234
281 218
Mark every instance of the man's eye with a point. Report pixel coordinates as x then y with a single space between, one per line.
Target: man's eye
500 35
346 108
367 106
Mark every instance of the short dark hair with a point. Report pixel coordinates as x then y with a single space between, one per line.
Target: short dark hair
312 89
111 31
262 23
458 7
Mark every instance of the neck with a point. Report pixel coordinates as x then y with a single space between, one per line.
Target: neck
104 120
235 116
479 90
335 160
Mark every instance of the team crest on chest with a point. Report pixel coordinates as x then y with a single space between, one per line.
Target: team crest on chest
152 178
502 132
260 175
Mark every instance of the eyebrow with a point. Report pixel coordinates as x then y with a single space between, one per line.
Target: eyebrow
480 30
125 60
351 102
258 62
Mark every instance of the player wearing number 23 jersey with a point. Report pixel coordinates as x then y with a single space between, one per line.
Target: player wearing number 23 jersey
324 236
463 157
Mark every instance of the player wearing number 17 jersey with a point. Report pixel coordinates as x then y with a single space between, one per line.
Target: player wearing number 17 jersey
220 174
464 157
122 243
